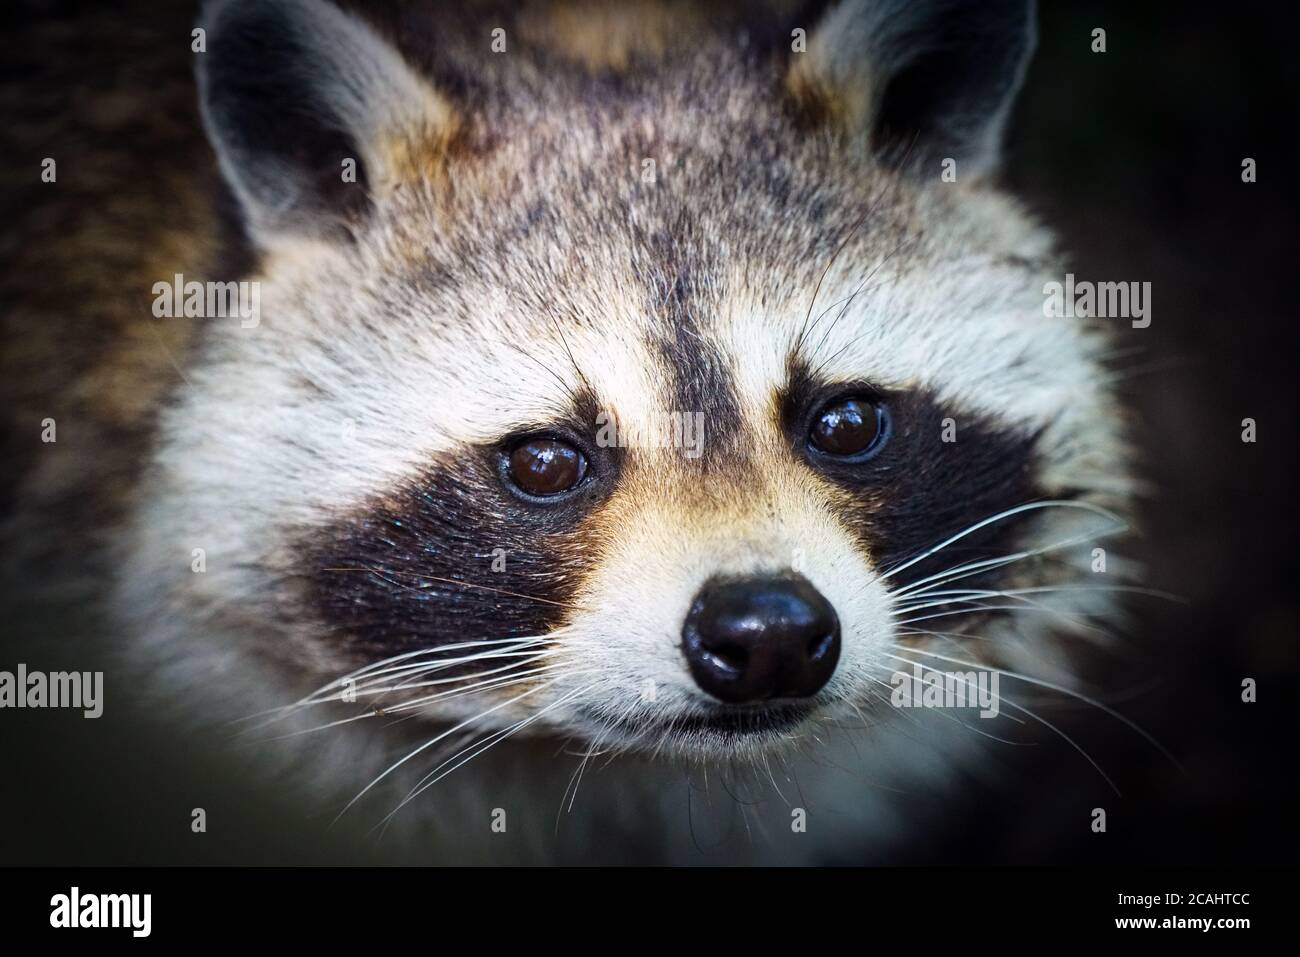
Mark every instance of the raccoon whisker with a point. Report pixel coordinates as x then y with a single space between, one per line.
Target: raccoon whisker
841 303
497 681
417 664
973 596
953 613
369 671
1061 689
582 376
1107 356
339 690
1162 364
958 572
411 682
866 214
170 358
549 371
1002 516
844 307
510 673
888 189
439 649
575 779
973 600
893 669
1078 696
371 668
407 684
952 717
885 701
439 737
960 641
1026 711
1027 604
888 670
767 766
662 743
899 247
415 672
483 745
829 329
479 648
379 573
495 684
993 593
857 709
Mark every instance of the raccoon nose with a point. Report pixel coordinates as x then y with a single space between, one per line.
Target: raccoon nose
751 639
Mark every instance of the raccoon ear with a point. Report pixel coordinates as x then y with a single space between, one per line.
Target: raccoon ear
313 116
918 80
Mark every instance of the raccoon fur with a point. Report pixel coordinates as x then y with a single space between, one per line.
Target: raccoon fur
411 520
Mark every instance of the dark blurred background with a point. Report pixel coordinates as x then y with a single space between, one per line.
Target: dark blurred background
1134 157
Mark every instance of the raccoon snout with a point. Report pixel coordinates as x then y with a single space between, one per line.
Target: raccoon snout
757 638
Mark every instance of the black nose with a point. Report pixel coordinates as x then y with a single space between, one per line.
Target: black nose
751 639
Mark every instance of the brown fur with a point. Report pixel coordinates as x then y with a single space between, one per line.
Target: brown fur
136 200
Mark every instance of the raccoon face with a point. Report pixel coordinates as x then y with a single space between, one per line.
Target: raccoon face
664 407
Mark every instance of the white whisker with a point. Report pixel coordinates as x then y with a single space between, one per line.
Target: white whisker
1105 709
495 738
957 612
434 740
339 683
496 684
1043 721
1001 516
959 572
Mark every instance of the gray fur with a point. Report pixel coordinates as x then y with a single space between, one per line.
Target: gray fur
471 300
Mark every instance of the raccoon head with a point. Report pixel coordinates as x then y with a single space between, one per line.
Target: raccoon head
671 403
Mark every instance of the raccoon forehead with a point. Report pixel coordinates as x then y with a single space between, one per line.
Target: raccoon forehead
551 266
432 368
682 320
967 329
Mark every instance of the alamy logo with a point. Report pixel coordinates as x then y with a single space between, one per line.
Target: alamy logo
57 689
103 910
208 300
677 430
931 688
1098 300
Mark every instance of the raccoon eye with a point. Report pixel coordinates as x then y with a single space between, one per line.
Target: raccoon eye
544 466
849 427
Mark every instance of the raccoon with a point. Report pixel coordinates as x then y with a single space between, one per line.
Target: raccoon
637 389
